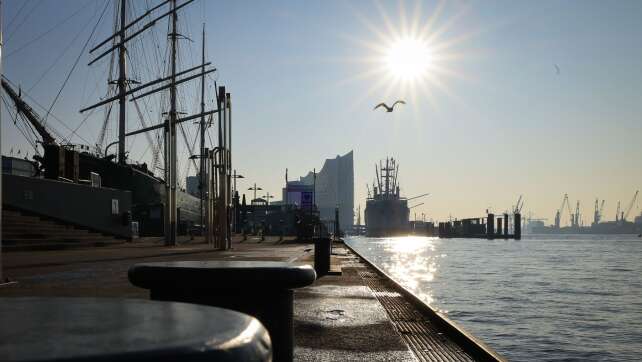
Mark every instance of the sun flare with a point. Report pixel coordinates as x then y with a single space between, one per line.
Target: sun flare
408 58
412 54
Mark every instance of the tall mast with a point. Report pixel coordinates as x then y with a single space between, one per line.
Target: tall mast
170 140
387 177
1 44
201 178
122 84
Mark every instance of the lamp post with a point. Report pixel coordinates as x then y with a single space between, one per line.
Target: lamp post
254 189
267 197
235 176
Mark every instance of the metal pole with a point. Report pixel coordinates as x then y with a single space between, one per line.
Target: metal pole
201 178
314 188
122 85
229 170
170 230
221 200
1 45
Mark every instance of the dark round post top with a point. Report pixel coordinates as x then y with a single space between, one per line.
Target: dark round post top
106 329
221 275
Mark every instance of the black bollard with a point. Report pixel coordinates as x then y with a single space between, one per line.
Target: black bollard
518 226
506 225
322 252
490 226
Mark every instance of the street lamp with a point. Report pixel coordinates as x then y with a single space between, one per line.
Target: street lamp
235 176
254 189
268 197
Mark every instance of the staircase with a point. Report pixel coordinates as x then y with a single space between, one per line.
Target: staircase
22 232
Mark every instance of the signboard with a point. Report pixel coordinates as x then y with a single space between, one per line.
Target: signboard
306 198
114 206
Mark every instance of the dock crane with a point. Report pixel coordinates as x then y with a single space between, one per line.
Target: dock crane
626 213
597 215
575 218
517 209
558 214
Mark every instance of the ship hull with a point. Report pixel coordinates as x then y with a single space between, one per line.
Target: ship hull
387 218
148 191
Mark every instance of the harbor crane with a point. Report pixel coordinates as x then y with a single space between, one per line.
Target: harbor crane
558 214
626 213
575 218
597 214
517 209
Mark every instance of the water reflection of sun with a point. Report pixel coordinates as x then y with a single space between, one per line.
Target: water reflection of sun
413 263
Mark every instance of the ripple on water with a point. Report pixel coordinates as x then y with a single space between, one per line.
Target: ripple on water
554 299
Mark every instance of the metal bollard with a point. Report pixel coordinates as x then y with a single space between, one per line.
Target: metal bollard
322 252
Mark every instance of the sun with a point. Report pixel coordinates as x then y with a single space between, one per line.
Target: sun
412 54
408 58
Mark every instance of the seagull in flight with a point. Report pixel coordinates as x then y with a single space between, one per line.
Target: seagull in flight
557 69
389 109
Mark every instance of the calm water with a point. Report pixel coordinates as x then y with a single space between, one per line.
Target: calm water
554 298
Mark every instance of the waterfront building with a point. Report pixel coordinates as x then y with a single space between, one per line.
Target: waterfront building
191 185
332 187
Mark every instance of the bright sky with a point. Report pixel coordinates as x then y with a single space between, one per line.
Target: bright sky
503 97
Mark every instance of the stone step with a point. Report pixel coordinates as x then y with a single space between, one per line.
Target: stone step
58 245
51 236
25 241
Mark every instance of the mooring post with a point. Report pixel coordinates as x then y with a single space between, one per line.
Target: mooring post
490 226
517 225
505 225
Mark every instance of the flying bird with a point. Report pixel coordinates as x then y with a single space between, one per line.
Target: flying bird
557 69
389 109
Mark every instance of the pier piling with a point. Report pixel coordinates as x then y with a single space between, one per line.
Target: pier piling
490 226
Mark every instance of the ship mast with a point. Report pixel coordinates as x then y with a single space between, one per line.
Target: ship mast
1 44
122 80
170 143
201 173
171 81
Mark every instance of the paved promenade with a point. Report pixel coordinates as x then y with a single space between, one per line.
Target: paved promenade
338 318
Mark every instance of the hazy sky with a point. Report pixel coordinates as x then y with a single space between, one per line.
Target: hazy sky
490 119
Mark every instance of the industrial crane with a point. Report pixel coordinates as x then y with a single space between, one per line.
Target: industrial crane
617 212
628 208
517 209
575 219
597 215
558 214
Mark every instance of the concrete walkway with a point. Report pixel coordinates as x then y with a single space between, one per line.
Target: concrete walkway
338 318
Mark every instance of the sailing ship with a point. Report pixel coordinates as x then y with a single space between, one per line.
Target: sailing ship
158 205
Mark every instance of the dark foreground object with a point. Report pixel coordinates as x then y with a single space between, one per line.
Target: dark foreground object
259 288
322 252
90 329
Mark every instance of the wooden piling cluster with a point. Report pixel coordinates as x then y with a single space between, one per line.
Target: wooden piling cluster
489 227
